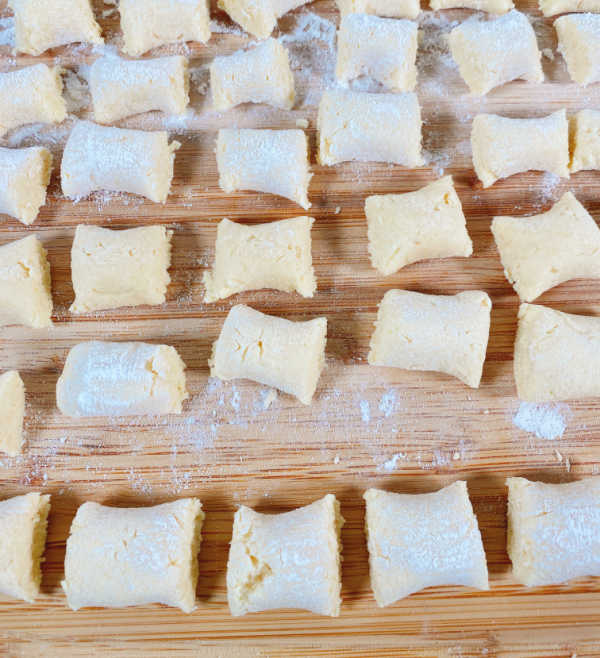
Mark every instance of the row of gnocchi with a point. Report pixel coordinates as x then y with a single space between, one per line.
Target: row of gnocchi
118 557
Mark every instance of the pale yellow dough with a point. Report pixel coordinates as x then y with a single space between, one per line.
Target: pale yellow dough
24 177
579 43
23 523
25 296
553 530
119 268
406 228
121 379
491 6
258 17
119 556
553 7
289 560
273 255
12 411
503 147
391 8
585 140
273 351
441 333
422 540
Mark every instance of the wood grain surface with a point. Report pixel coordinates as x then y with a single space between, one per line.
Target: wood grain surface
405 431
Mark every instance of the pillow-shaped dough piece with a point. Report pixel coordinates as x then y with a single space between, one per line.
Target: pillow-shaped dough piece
289 560
443 333
121 87
24 177
390 8
491 6
40 25
503 147
356 125
117 160
121 379
259 75
542 251
406 228
273 255
383 48
23 524
422 540
553 7
25 284
12 411
492 53
585 145
272 161
557 355
553 530
147 24
31 95
119 268
258 17
579 44
272 351
123 556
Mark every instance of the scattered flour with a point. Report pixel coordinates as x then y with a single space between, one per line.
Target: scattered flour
365 411
7 31
222 28
546 421
200 78
76 91
387 403
392 462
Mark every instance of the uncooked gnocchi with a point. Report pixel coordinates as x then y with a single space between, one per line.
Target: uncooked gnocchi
390 8
258 17
585 129
491 6
553 7
579 43
12 411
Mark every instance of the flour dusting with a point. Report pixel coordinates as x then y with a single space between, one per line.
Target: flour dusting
387 403
7 31
546 421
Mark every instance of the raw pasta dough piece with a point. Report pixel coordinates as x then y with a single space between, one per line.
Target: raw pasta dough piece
492 53
12 411
503 147
24 177
406 228
258 17
491 6
367 127
31 95
274 255
557 355
259 75
118 160
390 8
119 268
25 296
273 351
545 250
585 127
579 44
553 530
23 523
118 557
147 24
121 87
422 540
40 24
121 379
289 560
272 161
553 7
444 333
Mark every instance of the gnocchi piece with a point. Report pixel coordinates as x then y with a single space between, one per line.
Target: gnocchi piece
579 44
492 53
274 255
119 268
120 87
272 161
40 25
24 177
390 8
542 251
442 333
259 75
118 557
31 95
272 351
491 6
553 7
553 530
368 127
422 540
121 379
406 228
117 160
12 411
557 355
23 523
503 147
289 560
383 48
25 296
258 17
585 126
147 24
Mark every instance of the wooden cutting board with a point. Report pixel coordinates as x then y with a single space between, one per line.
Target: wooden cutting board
405 431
